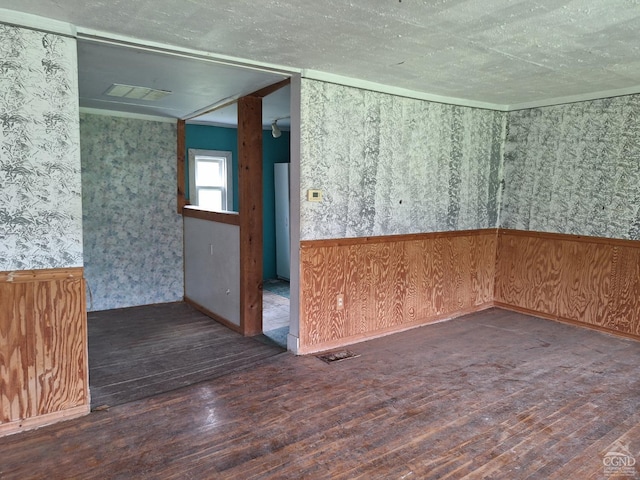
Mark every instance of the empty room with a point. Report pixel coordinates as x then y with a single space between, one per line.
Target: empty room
451 291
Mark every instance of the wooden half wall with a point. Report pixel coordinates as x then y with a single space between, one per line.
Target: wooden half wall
588 281
43 348
391 283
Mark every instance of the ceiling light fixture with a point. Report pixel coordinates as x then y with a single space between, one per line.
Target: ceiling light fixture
275 131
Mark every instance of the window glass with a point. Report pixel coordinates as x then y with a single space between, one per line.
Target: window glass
210 179
209 172
210 198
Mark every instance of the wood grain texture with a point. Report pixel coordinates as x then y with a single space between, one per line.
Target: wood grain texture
250 211
494 395
390 286
562 277
230 218
139 352
17 352
43 347
181 167
269 89
28 276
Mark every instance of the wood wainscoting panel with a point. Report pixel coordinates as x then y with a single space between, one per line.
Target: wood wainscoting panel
17 353
43 347
589 281
391 283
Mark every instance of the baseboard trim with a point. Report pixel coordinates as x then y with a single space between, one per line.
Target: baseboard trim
218 318
343 342
568 321
32 423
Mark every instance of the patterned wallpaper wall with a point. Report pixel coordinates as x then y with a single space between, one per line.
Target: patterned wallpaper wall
393 165
574 169
40 200
132 233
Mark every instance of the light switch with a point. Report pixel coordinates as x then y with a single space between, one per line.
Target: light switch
314 195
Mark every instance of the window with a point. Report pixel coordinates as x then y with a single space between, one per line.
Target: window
210 184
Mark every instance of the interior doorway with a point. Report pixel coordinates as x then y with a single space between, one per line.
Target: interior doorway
276 225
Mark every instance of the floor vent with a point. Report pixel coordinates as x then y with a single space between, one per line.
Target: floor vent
331 357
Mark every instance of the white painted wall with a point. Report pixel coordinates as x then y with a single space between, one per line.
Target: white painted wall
212 266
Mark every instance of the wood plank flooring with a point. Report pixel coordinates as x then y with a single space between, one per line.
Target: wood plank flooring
142 351
493 395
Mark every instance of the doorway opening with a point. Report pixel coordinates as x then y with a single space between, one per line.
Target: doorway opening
276 226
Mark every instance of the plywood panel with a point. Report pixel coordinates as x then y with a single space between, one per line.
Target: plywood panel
17 363
592 282
60 345
624 291
390 284
43 347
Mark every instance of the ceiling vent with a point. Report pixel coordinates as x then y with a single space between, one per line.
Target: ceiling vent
137 93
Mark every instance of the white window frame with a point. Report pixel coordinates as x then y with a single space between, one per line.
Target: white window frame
227 190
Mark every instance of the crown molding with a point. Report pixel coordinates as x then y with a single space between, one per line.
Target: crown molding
34 22
398 91
583 97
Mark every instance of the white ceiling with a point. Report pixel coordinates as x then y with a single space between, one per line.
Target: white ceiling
195 84
500 52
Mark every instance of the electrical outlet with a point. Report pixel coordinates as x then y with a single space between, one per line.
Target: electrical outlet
340 302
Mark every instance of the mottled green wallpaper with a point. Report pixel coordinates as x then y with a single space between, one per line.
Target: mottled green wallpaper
132 231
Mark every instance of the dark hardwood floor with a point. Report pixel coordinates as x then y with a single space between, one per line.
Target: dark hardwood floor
138 352
493 395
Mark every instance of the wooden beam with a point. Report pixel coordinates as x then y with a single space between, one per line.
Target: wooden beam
263 92
250 211
230 218
268 90
181 153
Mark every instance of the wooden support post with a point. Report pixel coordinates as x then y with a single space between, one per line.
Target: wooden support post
182 199
250 212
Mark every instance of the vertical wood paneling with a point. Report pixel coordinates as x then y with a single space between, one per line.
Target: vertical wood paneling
43 346
391 283
584 280
61 343
181 168
17 362
624 291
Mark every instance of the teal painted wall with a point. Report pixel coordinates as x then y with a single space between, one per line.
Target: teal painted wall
204 137
274 150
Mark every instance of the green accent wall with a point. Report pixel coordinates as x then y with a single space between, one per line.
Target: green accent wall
274 150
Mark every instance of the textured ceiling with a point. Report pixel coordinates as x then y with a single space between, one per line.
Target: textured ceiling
503 52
